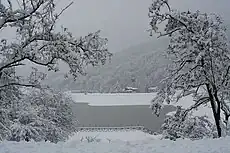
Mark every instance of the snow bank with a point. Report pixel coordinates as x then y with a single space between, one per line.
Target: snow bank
104 99
143 146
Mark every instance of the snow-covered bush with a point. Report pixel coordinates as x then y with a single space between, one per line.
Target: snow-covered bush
4 124
43 115
191 127
8 100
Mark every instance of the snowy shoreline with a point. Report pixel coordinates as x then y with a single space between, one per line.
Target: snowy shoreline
133 99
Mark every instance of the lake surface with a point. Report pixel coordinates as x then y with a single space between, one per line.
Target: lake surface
119 115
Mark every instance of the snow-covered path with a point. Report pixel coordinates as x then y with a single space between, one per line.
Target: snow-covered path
142 146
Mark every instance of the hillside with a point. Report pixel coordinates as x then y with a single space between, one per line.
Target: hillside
138 66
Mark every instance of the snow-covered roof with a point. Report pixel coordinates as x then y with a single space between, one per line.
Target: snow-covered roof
131 88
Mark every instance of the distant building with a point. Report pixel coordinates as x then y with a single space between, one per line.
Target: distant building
77 91
152 89
131 90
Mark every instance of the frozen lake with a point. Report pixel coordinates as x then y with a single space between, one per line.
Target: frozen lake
117 110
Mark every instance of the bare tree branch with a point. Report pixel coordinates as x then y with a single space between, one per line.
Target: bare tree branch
10 20
19 84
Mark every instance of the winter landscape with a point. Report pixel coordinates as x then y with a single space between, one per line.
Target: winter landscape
112 76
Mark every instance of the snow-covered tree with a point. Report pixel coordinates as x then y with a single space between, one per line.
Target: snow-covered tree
200 55
43 115
190 127
37 41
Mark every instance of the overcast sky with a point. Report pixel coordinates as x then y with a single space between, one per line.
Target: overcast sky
124 22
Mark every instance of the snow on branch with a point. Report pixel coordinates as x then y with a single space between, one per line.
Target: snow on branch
199 52
38 42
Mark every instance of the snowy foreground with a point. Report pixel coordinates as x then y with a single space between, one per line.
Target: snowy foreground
123 141
148 145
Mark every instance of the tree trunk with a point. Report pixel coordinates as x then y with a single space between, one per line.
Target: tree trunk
215 110
218 111
226 122
217 120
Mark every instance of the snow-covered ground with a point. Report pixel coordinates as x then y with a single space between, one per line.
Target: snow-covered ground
104 99
147 145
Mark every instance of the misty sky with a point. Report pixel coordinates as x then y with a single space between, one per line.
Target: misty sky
124 22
